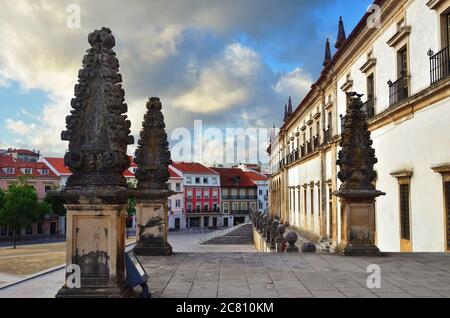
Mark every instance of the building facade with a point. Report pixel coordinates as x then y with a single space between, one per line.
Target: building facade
201 194
38 175
239 196
177 216
398 57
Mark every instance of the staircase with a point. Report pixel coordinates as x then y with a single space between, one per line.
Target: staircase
241 235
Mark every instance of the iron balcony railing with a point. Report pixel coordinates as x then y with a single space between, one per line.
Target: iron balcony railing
439 65
316 142
203 211
309 147
398 90
240 212
369 108
327 135
239 197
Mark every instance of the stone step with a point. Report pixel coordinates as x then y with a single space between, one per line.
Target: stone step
242 235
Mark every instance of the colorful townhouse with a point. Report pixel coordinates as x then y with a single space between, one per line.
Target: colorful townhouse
202 194
22 164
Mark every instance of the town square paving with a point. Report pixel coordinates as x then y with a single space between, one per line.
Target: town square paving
199 271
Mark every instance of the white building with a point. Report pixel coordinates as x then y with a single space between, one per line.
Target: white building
177 217
402 65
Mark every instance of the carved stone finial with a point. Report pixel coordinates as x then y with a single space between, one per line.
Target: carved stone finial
97 129
357 157
292 239
152 155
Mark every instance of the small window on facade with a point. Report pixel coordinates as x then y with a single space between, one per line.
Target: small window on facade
28 171
205 180
197 180
188 180
404 212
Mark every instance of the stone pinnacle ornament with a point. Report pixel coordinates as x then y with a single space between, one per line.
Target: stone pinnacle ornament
97 129
152 155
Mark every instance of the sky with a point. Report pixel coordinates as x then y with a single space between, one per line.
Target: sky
231 64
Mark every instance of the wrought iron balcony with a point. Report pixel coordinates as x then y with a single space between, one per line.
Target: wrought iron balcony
316 142
239 197
439 65
302 151
327 135
369 108
398 90
240 212
309 147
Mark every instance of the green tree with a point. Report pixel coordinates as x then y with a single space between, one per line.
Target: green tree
56 205
20 208
2 198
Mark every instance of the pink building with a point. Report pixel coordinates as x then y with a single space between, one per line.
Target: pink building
201 194
42 178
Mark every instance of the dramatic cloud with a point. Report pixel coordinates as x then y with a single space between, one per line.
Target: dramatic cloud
206 59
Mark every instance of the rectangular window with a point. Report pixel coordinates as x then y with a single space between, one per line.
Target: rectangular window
226 208
205 180
197 180
214 180
206 194
403 62
370 87
404 212
178 203
48 188
9 170
206 208
189 194
198 194
177 187
305 206
318 200
447 20
189 207
45 172
215 194
312 200
28 171
188 180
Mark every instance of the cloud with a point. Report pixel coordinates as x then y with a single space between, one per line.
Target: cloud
205 59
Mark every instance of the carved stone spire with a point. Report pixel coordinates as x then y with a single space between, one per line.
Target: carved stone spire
285 113
290 110
152 155
97 129
341 38
357 157
327 59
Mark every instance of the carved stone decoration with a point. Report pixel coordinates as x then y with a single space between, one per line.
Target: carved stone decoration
97 129
153 159
96 196
357 157
152 155
309 247
292 239
273 233
357 193
281 229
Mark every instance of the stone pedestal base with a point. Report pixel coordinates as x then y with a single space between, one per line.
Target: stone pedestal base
112 289
96 245
152 219
359 250
358 228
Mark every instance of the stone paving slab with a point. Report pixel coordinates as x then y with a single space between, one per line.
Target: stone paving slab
258 275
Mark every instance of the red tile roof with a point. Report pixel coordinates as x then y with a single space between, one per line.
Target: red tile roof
255 176
173 174
23 152
192 167
229 177
18 165
58 165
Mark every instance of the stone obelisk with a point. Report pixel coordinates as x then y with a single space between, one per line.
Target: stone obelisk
357 193
96 197
153 160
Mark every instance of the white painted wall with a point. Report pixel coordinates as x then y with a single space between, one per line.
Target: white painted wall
418 144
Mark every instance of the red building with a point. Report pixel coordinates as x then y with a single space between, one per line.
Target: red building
202 195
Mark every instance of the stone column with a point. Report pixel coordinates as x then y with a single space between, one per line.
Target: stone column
96 193
357 193
152 235
153 159
96 243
